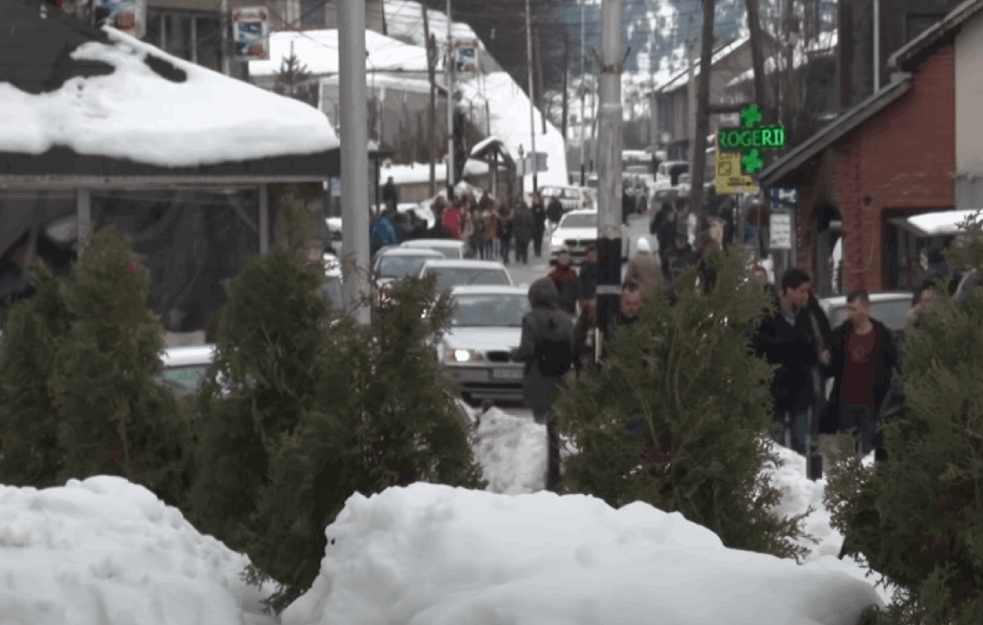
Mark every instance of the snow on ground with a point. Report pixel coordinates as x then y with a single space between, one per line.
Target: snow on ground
318 50
136 114
431 554
509 108
107 552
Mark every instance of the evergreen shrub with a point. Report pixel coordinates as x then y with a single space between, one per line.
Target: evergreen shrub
679 413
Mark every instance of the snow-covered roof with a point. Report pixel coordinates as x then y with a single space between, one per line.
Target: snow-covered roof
404 20
136 114
825 44
484 143
318 51
942 223
679 79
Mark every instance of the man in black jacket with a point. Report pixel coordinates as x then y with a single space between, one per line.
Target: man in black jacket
864 357
788 340
538 225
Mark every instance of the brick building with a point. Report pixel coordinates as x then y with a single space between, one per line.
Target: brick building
891 156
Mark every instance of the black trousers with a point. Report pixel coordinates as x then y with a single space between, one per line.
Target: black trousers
862 420
553 479
537 243
522 251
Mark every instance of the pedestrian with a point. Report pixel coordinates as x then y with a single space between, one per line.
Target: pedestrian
479 240
644 267
567 282
523 227
589 273
538 225
453 221
682 256
505 230
390 195
785 339
586 334
554 212
384 231
418 226
467 217
547 348
864 357
664 229
629 304
627 206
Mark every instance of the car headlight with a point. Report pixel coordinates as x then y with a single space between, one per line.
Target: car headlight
461 355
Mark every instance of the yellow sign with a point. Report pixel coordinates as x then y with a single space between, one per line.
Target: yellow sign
728 175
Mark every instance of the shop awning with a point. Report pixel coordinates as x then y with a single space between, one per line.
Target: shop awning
939 224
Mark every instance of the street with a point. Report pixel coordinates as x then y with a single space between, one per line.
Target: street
538 268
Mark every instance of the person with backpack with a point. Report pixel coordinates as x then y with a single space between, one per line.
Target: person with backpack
547 347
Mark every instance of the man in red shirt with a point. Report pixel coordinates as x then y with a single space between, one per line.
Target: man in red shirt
864 356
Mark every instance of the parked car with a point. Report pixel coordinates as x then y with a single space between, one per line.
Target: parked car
576 230
450 273
668 185
888 307
395 263
186 367
450 248
572 198
486 324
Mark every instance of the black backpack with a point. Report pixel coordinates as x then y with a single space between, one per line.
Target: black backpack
554 354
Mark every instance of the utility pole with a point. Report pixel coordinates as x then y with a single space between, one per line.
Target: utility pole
224 25
757 56
702 122
690 95
877 46
545 106
583 100
609 168
449 71
432 109
566 84
532 99
354 157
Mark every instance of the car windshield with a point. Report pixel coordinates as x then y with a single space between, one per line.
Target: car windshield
579 221
448 277
331 289
498 310
185 379
393 266
891 313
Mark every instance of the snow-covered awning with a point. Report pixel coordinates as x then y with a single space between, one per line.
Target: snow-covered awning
156 109
940 224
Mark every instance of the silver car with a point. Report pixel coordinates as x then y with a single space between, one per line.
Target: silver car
452 273
486 325
186 367
395 263
888 307
450 248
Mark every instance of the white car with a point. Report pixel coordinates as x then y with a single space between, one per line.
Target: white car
572 198
888 307
186 367
464 272
450 248
668 183
486 325
578 229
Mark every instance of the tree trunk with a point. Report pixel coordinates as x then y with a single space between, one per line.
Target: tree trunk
702 118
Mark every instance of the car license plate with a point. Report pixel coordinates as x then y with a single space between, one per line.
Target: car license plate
507 374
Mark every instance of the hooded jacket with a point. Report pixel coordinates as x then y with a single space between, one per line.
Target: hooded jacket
539 391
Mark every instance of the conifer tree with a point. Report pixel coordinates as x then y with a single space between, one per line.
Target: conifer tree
917 518
677 415
305 408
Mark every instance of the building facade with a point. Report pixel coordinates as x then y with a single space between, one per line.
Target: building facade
969 122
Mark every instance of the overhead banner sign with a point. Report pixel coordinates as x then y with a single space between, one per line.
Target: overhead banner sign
250 31
729 178
129 16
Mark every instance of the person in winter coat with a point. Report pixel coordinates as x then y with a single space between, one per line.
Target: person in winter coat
627 206
453 222
589 273
585 332
479 238
547 348
554 212
644 267
788 341
567 283
522 230
384 232
681 256
390 195
505 230
632 296
864 357
538 226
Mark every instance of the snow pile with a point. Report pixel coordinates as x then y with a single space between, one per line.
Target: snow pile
107 552
318 51
509 109
431 554
136 114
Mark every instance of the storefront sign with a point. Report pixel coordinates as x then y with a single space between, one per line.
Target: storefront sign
780 227
466 56
128 16
250 28
751 138
728 175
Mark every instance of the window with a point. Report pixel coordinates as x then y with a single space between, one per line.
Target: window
917 23
193 37
312 14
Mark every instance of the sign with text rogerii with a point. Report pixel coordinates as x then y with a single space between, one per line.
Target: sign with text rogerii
780 227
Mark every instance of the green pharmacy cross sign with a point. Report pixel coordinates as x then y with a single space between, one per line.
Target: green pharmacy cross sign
751 138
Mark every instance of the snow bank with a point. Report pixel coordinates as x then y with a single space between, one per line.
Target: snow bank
136 114
435 555
107 552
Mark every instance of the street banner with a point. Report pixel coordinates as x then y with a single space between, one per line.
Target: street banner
729 178
128 16
780 227
250 32
466 56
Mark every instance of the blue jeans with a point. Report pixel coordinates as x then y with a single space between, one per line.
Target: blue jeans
863 422
793 427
